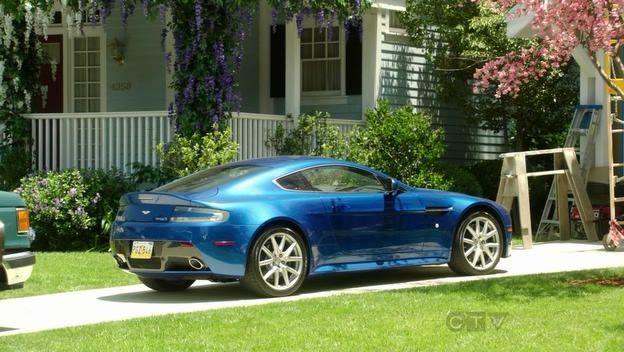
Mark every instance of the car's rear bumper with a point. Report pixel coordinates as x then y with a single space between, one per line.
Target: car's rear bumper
169 260
17 268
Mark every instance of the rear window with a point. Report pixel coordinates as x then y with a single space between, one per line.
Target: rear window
210 178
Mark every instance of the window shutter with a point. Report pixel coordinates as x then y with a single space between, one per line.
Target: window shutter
353 61
278 61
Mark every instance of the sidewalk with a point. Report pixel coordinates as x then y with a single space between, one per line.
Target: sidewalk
53 311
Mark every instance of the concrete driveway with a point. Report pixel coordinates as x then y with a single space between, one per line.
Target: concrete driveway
45 312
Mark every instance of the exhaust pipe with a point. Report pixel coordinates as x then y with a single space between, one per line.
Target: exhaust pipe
196 263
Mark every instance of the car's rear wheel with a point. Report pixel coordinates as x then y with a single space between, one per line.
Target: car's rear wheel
166 285
478 245
278 263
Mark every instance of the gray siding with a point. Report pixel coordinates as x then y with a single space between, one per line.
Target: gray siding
406 78
139 84
350 110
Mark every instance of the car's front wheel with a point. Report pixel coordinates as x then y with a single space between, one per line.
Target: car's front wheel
278 263
478 245
166 285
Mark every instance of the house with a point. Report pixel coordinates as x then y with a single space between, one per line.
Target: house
105 93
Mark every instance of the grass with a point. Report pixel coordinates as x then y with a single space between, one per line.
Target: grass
60 272
541 313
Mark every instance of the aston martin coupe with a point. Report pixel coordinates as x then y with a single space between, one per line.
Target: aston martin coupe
272 222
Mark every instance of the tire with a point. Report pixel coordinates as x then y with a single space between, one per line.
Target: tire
277 264
477 245
166 285
608 243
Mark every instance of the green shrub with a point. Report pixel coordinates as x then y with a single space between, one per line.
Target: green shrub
72 209
313 135
185 155
460 179
488 172
15 163
401 143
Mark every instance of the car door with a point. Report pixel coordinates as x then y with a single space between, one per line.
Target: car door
357 215
417 231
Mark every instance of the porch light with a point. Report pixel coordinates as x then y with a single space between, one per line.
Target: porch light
118 50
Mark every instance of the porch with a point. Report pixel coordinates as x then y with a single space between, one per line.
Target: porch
118 139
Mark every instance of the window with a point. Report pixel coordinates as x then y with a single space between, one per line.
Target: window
87 71
321 62
333 179
209 178
394 22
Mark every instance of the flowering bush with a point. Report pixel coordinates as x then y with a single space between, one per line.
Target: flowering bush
70 210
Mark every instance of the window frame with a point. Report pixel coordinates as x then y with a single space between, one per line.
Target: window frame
309 23
385 182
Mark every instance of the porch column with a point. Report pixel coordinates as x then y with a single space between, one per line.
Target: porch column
371 57
292 99
264 58
593 91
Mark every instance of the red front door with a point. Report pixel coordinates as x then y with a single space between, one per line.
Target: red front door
50 99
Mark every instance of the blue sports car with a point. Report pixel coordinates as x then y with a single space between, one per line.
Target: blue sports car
270 223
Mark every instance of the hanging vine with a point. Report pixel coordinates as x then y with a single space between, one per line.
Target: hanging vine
207 35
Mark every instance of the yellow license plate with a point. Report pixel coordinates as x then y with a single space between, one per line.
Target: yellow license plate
141 250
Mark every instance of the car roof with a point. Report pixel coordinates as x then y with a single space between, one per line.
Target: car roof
292 162
281 165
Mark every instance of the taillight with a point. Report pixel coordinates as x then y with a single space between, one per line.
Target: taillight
22 220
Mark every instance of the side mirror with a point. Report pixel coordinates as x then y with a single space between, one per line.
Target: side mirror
395 188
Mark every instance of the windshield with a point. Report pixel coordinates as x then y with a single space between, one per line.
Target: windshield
209 178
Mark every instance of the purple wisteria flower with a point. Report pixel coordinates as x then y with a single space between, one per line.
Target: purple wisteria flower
146 7
198 15
72 192
124 14
96 199
163 24
299 22
79 211
274 15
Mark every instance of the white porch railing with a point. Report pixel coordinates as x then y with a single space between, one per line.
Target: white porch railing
118 139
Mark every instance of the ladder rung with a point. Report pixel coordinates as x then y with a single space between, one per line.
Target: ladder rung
618 179
553 199
555 222
617 131
545 173
618 199
618 164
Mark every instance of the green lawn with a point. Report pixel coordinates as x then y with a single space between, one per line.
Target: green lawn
541 313
60 272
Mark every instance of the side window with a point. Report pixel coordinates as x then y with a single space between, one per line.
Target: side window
295 182
342 179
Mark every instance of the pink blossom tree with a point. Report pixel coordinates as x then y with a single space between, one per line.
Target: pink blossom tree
561 26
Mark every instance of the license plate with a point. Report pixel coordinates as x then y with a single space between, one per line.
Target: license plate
142 250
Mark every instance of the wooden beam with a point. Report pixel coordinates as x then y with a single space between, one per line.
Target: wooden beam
583 203
561 198
523 202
